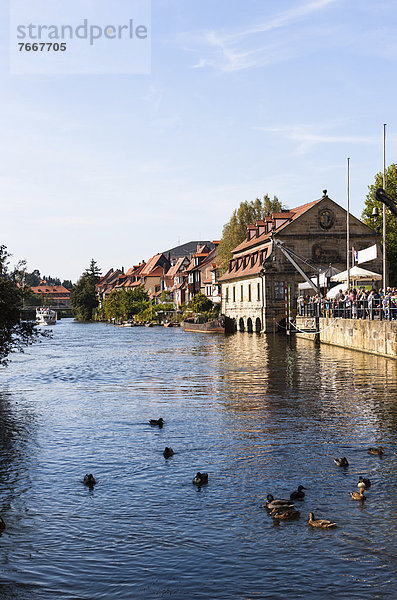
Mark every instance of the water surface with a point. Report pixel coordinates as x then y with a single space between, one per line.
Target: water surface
259 415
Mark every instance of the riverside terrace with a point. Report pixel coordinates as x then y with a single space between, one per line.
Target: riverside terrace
363 305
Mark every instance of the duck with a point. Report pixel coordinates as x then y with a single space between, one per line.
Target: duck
89 480
168 452
272 502
364 483
298 495
324 523
341 462
200 478
284 514
2 524
358 495
157 422
378 451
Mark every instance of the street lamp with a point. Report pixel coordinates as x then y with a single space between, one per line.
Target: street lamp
374 216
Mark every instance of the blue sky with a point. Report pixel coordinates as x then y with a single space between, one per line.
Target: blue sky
245 97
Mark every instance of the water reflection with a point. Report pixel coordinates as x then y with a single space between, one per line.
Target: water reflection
257 413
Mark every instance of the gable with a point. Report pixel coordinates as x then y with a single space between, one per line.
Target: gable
328 219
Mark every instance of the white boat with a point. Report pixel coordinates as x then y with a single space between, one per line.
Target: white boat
45 316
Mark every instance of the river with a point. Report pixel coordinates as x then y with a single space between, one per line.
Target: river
257 413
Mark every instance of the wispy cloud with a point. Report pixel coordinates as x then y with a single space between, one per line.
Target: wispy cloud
251 47
306 137
154 97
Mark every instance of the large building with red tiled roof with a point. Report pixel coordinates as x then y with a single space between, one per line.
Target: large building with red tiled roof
253 286
56 295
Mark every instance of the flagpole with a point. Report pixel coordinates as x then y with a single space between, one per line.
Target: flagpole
348 225
384 207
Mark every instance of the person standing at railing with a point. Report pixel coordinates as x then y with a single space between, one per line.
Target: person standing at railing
353 304
386 305
338 300
371 304
361 301
347 306
393 303
301 305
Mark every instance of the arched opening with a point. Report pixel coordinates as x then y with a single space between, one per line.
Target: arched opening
258 325
282 325
249 325
241 324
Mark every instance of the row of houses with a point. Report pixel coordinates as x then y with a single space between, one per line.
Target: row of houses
171 276
252 290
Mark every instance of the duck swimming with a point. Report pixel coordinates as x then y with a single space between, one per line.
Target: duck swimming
341 462
378 451
272 502
324 523
364 483
89 480
168 452
298 495
200 478
157 422
358 495
285 514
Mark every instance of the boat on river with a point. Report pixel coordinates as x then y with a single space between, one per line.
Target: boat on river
198 324
46 316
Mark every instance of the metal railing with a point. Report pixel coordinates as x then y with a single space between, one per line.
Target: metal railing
378 308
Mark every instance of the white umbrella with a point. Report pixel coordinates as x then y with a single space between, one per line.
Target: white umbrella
306 286
334 290
357 274
324 274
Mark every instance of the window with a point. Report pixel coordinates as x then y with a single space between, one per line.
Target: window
241 293
258 291
249 292
279 290
234 293
227 294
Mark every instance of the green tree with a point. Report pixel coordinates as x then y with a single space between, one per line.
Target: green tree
52 280
83 297
33 279
391 221
235 230
14 334
201 303
124 304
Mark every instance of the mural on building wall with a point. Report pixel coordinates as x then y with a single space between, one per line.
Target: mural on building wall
326 252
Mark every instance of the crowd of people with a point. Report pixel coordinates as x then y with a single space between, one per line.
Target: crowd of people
351 304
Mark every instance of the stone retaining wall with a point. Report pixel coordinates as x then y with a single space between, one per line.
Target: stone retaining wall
375 337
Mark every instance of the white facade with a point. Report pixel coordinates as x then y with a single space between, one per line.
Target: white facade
243 301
